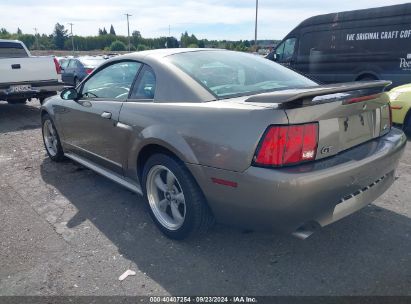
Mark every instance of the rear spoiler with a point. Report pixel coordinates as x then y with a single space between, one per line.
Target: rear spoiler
286 96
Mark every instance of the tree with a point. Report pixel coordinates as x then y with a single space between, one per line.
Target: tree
187 40
184 39
4 33
171 42
104 31
59 36
118 46
142 47
19 32
112 31
136 34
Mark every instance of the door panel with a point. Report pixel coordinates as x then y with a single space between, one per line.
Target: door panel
90 129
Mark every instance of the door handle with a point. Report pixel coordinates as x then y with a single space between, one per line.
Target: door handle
106 115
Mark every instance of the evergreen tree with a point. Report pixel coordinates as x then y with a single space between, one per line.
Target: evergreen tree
112 31
59 36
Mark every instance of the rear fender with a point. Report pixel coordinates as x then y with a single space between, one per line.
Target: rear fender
164 137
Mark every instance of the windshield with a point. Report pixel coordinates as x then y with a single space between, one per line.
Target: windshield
229 74
92 62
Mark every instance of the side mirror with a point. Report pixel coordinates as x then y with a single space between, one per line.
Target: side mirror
70 94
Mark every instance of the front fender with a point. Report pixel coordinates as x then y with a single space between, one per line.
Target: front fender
53 106
400 109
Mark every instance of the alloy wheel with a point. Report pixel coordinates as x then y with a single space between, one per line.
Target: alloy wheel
166 197
50 138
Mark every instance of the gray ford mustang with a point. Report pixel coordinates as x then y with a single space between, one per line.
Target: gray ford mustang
209 135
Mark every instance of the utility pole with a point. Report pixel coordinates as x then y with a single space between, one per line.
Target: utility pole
256 18
128 31
37 38
72 37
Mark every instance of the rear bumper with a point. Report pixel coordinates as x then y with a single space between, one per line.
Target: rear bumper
322 192
38 89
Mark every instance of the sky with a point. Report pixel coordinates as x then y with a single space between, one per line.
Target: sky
211 19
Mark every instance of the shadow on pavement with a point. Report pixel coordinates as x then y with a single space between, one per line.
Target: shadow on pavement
366 253
19 117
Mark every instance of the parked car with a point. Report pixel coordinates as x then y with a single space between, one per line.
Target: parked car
260 147
400 105
23 76
367 44
76 69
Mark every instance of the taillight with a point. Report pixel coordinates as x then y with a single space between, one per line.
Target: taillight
362 98
57 65
287 145
88 71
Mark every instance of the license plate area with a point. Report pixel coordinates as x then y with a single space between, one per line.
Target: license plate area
357 128
20 88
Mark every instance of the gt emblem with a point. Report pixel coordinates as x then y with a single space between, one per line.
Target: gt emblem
326 149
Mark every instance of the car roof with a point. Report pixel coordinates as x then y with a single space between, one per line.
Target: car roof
9 40
161 53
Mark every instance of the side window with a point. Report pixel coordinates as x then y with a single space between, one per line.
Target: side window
112 82
286 49
77 64
321 46
64 64
72 64
145 86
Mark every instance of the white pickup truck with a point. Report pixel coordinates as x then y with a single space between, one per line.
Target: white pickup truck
23 77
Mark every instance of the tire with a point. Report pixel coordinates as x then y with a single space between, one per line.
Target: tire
406 127
51 140
183 196
17 101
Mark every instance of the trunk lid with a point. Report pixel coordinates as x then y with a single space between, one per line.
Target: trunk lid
348 114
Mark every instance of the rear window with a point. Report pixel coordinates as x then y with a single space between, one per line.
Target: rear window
91 62
229 74
12 50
